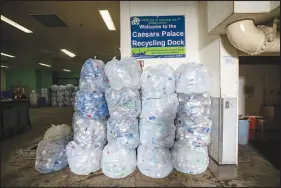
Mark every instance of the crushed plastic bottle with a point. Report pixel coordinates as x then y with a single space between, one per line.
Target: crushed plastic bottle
89 133
90 104
158 81
51 155
123 73
124 132
117 161
196 133
83 161
92 76
156 135
188 159
194 106
162 110
123 103
192 78
154 162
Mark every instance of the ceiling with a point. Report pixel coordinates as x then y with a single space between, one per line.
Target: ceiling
44 44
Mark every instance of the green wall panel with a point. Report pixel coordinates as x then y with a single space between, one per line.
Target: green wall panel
26 77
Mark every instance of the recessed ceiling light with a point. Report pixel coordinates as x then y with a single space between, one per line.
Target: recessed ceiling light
107 19
68 53
16 25
3 66
7 55
66 70
46 65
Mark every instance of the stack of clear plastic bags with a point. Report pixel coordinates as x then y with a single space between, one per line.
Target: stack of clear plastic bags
90 104
123 132
69 88
156 135
61 95
89 133
123 73
193 123
188 159
92 76
50 154
158 81
195 133
123 103
117 161
162 110
154 162
83 161
54 89
192 78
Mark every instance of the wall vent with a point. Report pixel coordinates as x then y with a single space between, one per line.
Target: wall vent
49 20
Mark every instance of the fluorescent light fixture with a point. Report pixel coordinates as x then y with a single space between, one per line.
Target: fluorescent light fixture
7 55
66 70
3 66
68 53
107 19
46 65
16 25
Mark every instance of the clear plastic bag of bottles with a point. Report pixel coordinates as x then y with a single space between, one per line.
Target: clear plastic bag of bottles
51 156
55 132
54 102
124 132
188 159
158 81
194 106
89 133
90 104
192 78
117 161
196 133
162 110
61 88
123 103
69 87
76 88
92 76
83 161
123 73
54 87
154 162
156 135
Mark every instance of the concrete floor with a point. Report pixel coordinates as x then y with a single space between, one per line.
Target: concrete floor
18 170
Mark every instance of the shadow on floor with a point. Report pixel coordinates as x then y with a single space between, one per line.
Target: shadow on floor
270 150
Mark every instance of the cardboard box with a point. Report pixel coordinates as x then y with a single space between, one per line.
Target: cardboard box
270 112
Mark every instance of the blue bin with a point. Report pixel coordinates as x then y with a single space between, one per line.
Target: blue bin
243 132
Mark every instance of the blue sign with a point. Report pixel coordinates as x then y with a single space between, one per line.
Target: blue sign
158 36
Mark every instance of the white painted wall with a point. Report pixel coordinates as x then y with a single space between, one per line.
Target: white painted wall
256 75
252 6
216 17
162 8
